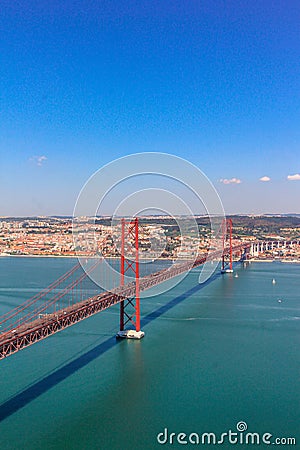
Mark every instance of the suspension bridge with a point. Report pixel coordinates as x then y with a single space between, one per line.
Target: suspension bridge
68 299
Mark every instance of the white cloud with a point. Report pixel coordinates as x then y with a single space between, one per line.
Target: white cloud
294 177
265 178
39 160
231 181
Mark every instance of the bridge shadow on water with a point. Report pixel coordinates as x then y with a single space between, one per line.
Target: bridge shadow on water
39 387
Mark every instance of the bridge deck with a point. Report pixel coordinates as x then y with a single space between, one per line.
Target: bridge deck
38 329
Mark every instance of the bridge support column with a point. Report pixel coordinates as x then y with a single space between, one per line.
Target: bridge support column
130 307
227 227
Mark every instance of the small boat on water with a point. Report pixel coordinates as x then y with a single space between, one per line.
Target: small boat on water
279 300
236 275
273 281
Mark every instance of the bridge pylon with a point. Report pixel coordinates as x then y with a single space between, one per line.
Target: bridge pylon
130 307
227 229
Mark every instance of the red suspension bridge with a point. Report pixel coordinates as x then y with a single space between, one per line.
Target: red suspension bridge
70 299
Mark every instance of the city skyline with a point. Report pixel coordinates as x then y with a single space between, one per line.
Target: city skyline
84 85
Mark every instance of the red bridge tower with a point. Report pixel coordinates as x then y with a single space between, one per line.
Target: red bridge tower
130 307
227 229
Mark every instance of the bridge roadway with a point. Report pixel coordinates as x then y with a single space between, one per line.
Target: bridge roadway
32 332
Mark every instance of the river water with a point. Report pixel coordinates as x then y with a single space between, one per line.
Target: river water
213 355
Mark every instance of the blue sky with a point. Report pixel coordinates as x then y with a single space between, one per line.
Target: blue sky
84 82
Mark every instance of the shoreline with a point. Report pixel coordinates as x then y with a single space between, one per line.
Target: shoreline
85 257
292 261
40 256
143 259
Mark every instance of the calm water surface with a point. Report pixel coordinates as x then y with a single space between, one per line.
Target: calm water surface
212 356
